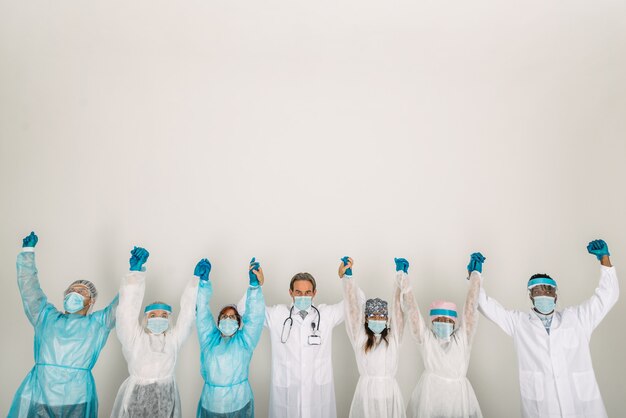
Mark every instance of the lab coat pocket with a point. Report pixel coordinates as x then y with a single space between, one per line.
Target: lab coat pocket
586 386
531 385
322 371
281 375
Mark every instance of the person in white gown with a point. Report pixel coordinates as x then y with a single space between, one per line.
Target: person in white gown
375 333
150 347
443 390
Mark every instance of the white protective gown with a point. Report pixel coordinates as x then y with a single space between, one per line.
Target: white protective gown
555 371
377 393
443 390
302 384
150 390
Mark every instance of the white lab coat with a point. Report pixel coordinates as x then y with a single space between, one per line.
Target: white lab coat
555 371
377 393
302 384
151 358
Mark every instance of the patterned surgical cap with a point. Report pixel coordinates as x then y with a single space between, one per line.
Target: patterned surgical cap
376 307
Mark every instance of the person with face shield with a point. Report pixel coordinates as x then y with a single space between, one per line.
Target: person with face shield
150 347
67 345
375 335
226 347
555 370
301 336
443 390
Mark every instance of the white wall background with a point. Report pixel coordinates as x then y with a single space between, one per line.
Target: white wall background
301 131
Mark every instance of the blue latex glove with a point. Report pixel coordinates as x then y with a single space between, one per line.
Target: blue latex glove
346 260
402 264
138 256
30 240
598 248
254 280
476 263
202 270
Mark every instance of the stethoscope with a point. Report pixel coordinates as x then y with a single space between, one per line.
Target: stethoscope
315 341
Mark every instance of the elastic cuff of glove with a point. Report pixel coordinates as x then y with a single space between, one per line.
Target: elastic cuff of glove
254 286
347 276
599 256
28 249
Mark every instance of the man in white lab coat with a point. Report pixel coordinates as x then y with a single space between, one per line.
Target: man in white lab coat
555 371
302 384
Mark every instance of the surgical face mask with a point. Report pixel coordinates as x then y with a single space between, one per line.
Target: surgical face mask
376 326
544 304
443 330
73 302
228 326
303 303
158 325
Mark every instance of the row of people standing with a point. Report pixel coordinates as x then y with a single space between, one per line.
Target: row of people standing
552 347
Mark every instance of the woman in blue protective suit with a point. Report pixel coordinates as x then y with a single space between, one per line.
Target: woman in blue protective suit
67 346
226 347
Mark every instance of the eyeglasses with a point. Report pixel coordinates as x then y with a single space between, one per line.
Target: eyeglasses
228 317
81 290
542 290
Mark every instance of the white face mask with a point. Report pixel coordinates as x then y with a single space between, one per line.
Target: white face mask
302 303
377 326
443 330
544 304
158 325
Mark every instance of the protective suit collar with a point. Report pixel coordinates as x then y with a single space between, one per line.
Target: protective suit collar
556 319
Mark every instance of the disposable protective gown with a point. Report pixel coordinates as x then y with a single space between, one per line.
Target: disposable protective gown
150 390
556 374
443 390
66 348
377 393
225 361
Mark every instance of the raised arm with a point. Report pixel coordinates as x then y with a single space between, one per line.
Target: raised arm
396 319
470 311
354 302
254 314
592 311
130 299
33 298
187 316
131 294
107 316
205 324
495 312
408 304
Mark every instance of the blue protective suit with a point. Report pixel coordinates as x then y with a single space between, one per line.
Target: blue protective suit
66 348
225 360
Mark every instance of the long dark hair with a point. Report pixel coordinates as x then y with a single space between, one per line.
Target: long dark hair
371 337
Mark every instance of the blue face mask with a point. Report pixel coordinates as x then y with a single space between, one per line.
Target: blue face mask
376 326
158 325
443 330
228 326
544 304
303 303
73 302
